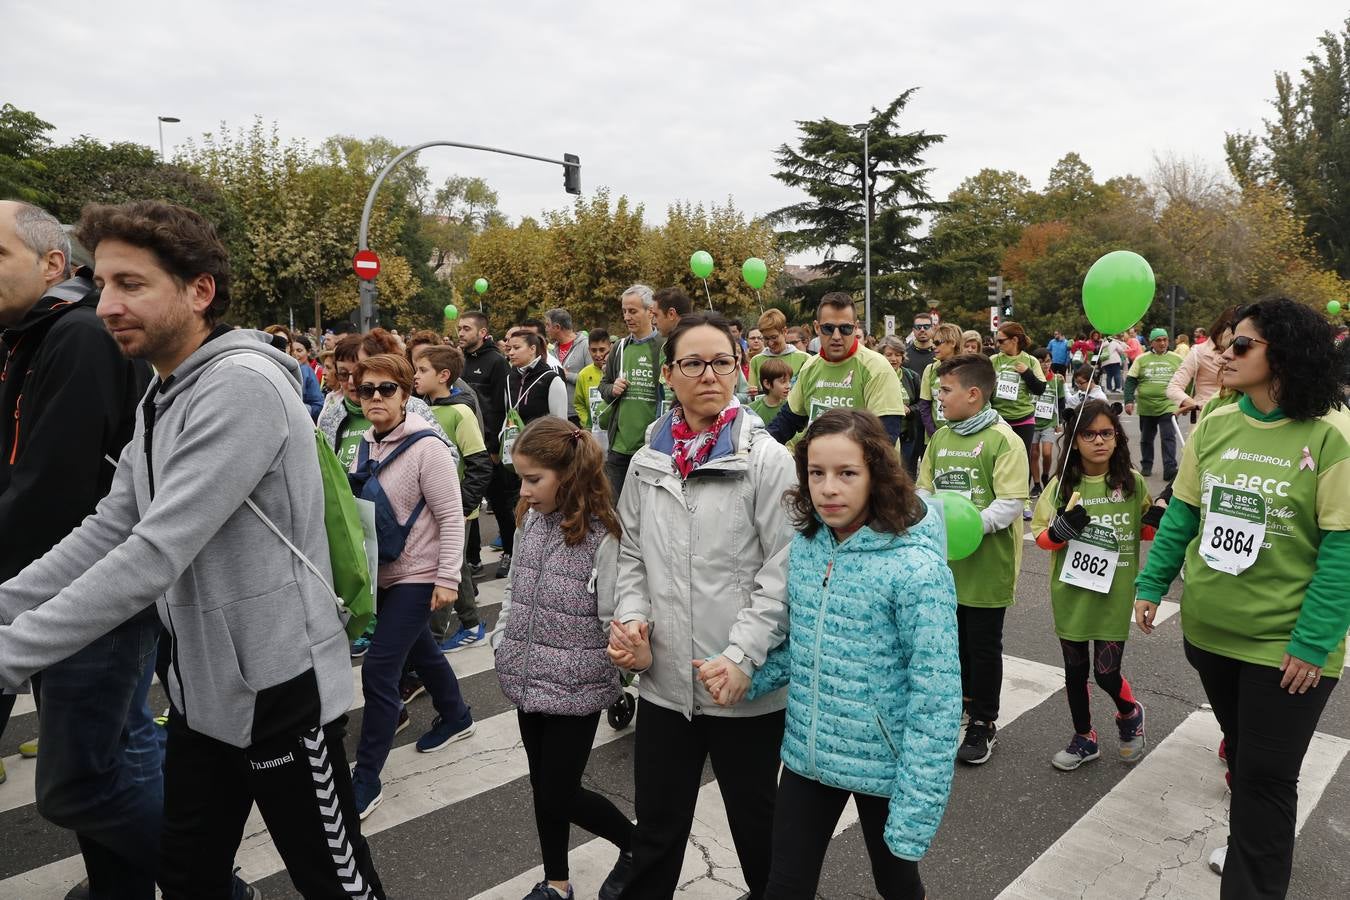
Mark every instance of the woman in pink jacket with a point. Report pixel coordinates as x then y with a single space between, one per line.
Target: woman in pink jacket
1201 366
420 557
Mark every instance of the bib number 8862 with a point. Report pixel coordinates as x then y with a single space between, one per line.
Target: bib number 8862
1232 539
1086 562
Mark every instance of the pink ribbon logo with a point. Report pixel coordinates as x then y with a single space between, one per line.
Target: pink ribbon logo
1307 461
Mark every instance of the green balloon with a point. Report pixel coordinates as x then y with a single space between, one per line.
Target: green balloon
965 531
701 263
451 312
754 272
1117 291
480 285
1334 307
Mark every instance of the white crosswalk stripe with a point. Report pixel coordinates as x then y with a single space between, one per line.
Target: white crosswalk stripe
1148 834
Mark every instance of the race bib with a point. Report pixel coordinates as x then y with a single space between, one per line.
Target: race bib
1046 406
1235 528
596 404
1090 559
1009 383
956 481
509 435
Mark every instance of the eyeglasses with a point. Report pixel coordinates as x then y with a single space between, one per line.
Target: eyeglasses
693 367
939 342
1106 436
344 374
1241 344
1004 338
829 328
922 326
385 389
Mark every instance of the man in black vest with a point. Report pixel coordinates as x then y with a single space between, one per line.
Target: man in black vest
68 400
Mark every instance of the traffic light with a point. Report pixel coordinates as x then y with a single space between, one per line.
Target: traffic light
995 290
572 173
1007 305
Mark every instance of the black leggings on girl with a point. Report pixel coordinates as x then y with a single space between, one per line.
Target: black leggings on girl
1105 663
558 748
803 822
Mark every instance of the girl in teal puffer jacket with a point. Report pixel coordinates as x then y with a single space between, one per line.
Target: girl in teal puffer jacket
871 663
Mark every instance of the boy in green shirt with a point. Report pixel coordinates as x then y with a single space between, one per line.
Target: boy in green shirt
586 398
775 380
436 368
1149 376
978 455
773 327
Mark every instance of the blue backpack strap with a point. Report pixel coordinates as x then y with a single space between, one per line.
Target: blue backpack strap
404 445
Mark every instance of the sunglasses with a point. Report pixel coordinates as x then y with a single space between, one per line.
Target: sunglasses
922 326
829 328
385 389
1241 344
1106 436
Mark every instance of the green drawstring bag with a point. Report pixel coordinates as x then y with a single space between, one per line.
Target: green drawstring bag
353 580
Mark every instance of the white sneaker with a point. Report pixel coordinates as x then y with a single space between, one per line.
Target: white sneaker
1217 858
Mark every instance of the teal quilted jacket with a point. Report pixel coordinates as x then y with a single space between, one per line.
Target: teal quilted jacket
873 674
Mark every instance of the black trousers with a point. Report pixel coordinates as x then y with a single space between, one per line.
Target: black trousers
803 823
1267 731
1149 426
669 752
616 470
558 748
304 793
980 632
502 492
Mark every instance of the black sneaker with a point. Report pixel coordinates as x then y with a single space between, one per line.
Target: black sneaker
618 877
981 738
504 565
410 687
1146 471
476 570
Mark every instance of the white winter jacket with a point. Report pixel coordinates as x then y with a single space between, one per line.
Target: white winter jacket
703 561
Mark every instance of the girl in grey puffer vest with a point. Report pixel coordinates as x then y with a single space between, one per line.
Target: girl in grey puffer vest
552 640
553 631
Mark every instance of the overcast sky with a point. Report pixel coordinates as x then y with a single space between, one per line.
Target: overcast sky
669 101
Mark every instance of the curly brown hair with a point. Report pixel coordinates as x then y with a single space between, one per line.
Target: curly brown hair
584 492
894 503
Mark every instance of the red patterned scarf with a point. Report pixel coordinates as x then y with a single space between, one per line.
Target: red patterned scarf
692 448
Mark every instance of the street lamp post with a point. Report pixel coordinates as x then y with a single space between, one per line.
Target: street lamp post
867 231
172 120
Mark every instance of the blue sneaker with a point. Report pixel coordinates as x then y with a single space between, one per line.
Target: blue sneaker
545 891
464 638
496 543
442 735
369 795
361 646
1082 749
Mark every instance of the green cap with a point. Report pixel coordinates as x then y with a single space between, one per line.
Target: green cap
1157 333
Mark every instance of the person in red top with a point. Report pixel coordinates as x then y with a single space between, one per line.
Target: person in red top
573 350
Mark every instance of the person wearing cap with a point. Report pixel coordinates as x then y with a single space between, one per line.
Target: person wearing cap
1148 377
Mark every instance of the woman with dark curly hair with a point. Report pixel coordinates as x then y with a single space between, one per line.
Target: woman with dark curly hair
1260 520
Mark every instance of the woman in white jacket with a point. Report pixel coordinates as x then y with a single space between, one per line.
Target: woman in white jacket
701 589
1201 366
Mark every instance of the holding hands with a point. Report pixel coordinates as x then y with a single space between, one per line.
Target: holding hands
629 647
723 679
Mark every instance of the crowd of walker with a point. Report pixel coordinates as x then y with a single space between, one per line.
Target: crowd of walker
749 524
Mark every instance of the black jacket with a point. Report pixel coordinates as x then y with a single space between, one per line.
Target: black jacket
485 370
67 398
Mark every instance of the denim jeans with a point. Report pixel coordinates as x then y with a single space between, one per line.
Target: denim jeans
100 769
402 634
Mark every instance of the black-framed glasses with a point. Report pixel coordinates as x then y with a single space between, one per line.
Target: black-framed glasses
385 389
693 367
1242 343
1106 435
829 328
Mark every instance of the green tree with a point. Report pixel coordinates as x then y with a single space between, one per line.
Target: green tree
828 166
1306 147
23 137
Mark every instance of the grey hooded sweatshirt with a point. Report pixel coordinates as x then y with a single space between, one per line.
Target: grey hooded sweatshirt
258 650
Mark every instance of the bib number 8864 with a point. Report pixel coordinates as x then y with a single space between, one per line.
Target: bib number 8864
1086 562
1231 539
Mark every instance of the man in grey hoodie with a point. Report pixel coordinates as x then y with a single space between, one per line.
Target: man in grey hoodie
259 679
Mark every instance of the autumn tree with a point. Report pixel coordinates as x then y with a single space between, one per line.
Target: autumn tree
23 136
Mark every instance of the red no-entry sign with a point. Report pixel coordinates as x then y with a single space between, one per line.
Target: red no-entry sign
366 264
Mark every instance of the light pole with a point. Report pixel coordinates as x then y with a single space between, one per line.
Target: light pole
172 120
867 232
